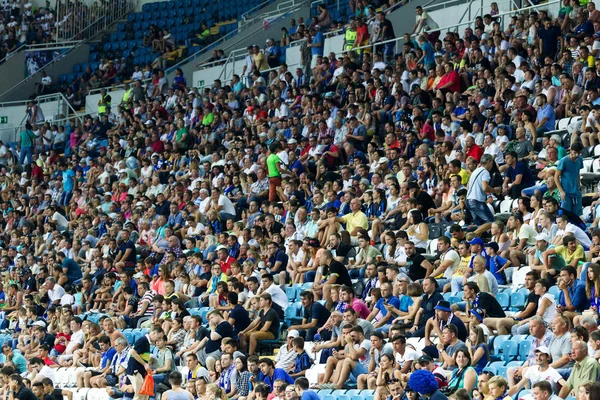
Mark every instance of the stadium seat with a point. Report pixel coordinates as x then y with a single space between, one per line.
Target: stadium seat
522 393
517 301
504 300
510 351
555 291
524 347
290 292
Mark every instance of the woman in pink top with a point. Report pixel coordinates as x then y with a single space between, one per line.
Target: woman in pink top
158 284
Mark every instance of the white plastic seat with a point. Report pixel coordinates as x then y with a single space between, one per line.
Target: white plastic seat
505 206
563 123
81 394
518 277
432 246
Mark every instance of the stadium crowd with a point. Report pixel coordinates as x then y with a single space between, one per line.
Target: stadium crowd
203 219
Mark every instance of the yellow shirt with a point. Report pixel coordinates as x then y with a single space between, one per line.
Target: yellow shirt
463 266
261 61
464 176
355 220
569 257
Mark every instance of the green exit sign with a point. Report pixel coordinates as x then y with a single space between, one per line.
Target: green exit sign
3 120
200 84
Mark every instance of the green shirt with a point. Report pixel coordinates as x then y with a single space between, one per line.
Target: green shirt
272 161
584 371
26 138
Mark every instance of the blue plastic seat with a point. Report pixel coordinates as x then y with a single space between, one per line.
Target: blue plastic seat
524 348
129 336
497 346
510 351
290 293
504 300
324 392
555 291
517 301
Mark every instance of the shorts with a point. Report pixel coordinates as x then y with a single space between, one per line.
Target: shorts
111 380
359 369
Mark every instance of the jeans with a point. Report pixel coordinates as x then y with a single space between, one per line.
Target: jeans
26 152
520 329
573 204
543 188
456 285
65 198
480 211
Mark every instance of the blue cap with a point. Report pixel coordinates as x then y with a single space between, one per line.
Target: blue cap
478 241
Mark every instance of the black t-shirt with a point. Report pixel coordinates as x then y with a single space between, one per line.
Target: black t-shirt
489 304
389 32
428 305
343 250
241 318
272 316
549 40
533 298
132 255
225 330
25 394
337 268
142 347
318 312
413 265
425 200
56 394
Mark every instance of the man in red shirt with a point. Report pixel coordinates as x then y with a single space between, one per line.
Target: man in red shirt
425 131
225 260
473 150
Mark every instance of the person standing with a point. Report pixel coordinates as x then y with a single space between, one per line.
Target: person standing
479 187
27 143
274 170
567 179
138 364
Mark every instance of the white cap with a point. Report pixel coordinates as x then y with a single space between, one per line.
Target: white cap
543 349
543 236
293 333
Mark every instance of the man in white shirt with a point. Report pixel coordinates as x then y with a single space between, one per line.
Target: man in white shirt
55 291
76 342
478 188
567 228
491 148
287 356
449 260
222 204
541 371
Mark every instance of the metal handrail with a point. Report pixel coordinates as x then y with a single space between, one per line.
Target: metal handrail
222 39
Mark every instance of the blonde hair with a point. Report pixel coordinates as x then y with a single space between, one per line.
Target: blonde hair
216 390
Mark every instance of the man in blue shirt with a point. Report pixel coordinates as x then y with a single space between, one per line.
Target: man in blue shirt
572 300
518 176
546 117
70 268
380 316
317 45
68 185
301 385
269 374
567 179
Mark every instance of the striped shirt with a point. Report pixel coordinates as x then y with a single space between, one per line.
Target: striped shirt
147 297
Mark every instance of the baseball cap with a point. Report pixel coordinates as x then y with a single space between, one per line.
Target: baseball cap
493 245
293 333
543 236
543 349
478 241
425 359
